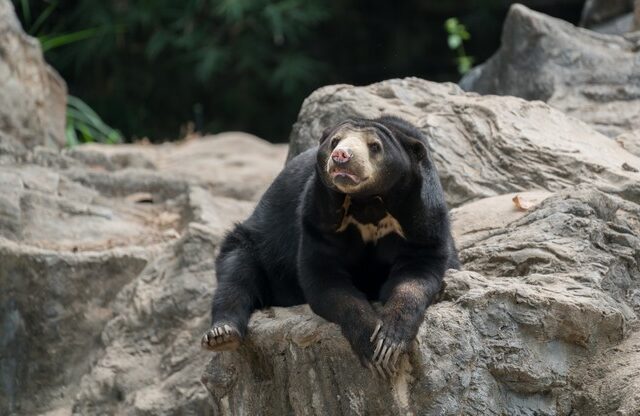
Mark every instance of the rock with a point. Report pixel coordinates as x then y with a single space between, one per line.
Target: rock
590 76
617 26
108 260
482 145
600 11
150 360
630 142
107 270
612 381
107 252
34 97
511 336
239 157
479 219
552 279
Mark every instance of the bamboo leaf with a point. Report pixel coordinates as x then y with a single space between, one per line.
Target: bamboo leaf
26 11
52 42
33 30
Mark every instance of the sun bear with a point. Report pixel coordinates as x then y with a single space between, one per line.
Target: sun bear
360 218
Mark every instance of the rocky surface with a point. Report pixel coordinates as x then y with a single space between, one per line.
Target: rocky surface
510 337
482 145
593 77
107 267
621 25
34 97
597 12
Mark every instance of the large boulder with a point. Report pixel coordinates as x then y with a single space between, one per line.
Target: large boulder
34 97
544 296
591 76
482 145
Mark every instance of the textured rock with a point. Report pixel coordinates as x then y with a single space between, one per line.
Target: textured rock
590 76
611 381
234 174
618 26
107 269
481 218
551 283
108 253
510 337
600 11
630 142
34 97
482 145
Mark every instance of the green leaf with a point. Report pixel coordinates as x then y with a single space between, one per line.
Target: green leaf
294 71
33 30
26 11
211 61
464 64
82 119
454 41
233 10
70 132
156 44
55 41
451 24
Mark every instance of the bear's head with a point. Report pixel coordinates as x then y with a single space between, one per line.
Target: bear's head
362 158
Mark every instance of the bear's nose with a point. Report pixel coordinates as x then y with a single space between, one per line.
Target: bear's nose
341 156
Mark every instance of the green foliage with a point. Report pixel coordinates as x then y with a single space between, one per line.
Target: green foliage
151 67
85 126
457 35
49 42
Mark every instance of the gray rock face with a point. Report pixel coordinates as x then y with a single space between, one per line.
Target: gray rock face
34 97
542 298
587 75
482 145
551 283
107 270
617 26
599 11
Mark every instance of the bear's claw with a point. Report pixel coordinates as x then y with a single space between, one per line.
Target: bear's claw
221 338
385 355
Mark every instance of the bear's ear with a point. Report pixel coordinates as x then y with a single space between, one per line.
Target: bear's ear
418 149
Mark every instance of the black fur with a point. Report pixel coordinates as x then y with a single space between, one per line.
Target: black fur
288 251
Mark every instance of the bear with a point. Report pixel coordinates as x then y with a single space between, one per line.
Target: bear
360 218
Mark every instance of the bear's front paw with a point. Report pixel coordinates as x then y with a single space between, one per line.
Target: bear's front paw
388 346
221 337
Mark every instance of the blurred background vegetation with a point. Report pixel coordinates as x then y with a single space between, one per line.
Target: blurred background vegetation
159 68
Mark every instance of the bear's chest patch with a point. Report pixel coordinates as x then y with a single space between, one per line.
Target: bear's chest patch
372 222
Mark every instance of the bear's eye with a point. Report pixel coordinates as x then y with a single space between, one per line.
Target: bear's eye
335 141
375 147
